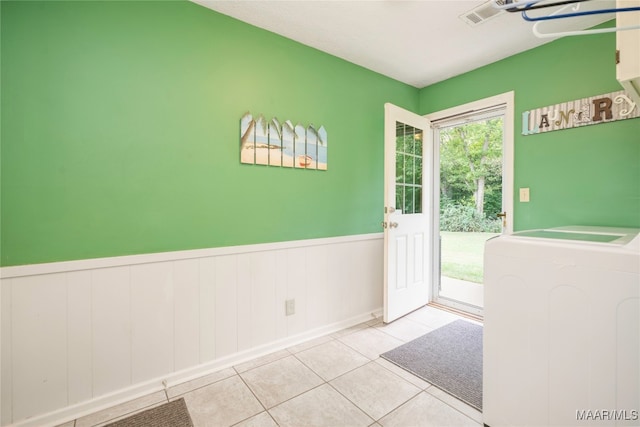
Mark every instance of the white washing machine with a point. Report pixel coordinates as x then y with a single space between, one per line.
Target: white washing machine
562 328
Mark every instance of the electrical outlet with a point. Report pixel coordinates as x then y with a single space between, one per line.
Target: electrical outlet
290 307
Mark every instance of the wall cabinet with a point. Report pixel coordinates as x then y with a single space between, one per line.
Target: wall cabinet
628 47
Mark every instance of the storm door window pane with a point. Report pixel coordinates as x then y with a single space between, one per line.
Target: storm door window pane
408 168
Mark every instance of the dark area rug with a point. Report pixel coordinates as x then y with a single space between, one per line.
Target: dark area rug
172 414
449 357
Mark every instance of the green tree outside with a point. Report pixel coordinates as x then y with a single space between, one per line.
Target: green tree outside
471 175
470 195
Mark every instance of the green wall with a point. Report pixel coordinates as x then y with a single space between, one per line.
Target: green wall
581 176
120 132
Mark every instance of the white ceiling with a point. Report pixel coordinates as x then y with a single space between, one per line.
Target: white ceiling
415 42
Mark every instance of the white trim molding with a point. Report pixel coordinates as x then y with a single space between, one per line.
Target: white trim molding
80 336
93 263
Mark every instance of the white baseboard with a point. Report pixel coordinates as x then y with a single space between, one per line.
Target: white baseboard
64 415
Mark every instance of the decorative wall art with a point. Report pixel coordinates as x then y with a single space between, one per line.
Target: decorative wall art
582 112
275 143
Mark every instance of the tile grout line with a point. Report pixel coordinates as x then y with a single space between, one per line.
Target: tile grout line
355 349
376 420
451 406
273 419
392 336
352 402
301 393
344 373
297 395
254 396
293 397
429 385
420 390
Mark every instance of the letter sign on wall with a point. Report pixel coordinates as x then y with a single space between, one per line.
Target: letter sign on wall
582 112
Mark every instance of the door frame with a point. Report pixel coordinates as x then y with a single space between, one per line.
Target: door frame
507 99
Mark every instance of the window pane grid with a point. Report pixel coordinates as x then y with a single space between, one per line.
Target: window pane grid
408 168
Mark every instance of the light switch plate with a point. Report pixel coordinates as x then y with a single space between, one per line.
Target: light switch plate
524 194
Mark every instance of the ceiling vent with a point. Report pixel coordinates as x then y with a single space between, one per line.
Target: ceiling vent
482 13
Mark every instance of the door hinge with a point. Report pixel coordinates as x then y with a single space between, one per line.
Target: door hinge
617 56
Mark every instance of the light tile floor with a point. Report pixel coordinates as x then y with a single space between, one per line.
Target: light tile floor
335 380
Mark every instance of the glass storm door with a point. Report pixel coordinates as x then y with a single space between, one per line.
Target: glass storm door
470 201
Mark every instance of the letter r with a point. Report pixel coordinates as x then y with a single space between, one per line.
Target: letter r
602 105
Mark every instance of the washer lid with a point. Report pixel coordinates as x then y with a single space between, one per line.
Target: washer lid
611 235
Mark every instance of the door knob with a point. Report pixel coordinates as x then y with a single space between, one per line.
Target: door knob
393 225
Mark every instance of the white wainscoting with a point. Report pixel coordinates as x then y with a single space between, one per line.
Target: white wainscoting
83 335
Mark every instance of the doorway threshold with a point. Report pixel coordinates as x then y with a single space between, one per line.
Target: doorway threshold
461 313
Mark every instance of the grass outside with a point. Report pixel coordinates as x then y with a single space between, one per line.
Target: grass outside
462 255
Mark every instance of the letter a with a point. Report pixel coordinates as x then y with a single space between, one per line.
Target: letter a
544 121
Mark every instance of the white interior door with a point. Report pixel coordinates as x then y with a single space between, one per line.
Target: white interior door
407 214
